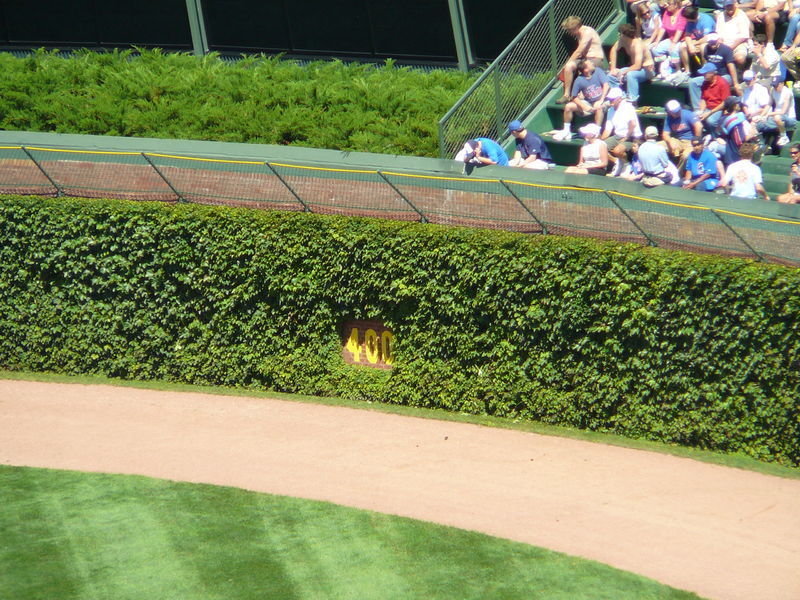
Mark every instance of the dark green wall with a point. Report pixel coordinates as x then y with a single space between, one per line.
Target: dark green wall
416 30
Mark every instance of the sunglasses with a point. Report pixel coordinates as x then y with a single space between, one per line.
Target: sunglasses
793 152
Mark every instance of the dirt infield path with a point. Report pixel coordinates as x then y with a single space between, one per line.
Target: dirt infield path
723 533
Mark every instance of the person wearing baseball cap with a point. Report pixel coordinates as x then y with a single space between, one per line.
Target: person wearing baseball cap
712 96
593 157
622 124
654 159
531 151
721 56
680 126
702 170
756 102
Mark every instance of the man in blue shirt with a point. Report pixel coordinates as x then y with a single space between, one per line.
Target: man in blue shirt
483 152
701 168
698 26
531 151
588 94
680 127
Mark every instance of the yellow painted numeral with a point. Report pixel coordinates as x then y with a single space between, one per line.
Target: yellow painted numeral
371 345
387 341
353 346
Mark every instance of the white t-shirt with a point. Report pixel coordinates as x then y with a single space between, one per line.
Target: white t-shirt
743 176
773 59
737 27
755 98
618 122
779 97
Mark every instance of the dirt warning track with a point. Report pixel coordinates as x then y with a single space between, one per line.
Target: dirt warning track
722 533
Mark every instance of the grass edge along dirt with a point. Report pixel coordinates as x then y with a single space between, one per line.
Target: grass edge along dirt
734 461
73 535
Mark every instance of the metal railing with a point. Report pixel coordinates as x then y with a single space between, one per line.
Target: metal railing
449 199
522 75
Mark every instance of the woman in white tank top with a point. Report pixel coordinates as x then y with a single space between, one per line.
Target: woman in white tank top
593 158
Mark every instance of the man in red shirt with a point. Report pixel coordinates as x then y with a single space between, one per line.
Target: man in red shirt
712 96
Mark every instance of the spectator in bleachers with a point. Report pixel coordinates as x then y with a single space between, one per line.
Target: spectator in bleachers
743 179
698 26
593 158
587 97
734 29
765 60
792 195
482 152
654 159
531 152
648 23
589 48
789 39
712 95
622 125
735 130
768 13
632 171
702 169
641 66
673 26
783 115
680 127
756 101
719 55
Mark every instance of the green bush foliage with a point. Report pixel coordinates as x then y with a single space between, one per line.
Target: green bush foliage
353 107
696 350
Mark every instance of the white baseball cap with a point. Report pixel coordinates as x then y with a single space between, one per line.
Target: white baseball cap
590 129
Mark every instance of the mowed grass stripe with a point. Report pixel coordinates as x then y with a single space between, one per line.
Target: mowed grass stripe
71 535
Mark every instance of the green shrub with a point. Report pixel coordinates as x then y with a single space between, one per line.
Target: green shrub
353 107
696 350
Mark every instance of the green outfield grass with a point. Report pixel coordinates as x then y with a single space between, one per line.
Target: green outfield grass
69 535
738 461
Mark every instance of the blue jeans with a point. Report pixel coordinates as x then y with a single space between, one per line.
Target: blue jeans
633 79
712 122
694 89
791 30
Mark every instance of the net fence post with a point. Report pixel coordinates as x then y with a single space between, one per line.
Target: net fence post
740 238
551 31
498 103
523 205
306 207
59 191
422 217
650 241
167 181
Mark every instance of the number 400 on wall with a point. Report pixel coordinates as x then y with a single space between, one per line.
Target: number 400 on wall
368 343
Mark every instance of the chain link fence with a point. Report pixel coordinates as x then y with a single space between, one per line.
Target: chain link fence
393 194
522 75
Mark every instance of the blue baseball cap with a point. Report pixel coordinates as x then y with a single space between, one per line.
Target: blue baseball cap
516 126
707 68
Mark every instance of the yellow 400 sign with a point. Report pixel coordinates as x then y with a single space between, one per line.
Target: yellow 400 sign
367 343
